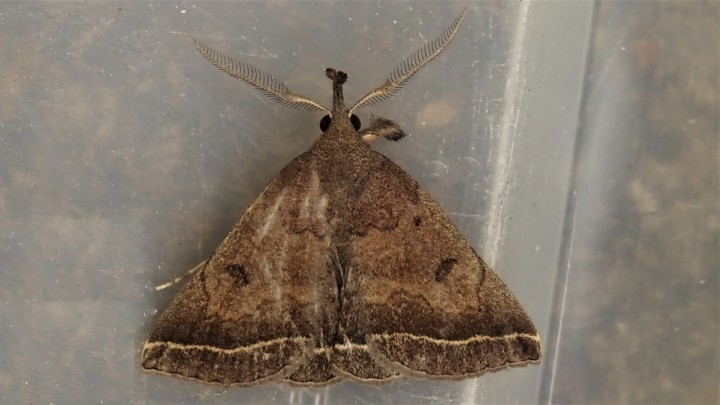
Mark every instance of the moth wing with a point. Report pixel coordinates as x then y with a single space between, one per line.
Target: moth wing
417 298
258 307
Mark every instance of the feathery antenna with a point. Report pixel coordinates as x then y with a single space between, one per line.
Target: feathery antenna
405 70
264 82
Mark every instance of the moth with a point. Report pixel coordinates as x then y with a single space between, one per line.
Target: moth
341 268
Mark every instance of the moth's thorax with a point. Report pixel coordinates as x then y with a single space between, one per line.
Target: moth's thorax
340 159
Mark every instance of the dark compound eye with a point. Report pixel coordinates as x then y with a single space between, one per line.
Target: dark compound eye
325 123
355 121
326 120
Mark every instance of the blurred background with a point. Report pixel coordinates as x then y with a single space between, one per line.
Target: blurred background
574 144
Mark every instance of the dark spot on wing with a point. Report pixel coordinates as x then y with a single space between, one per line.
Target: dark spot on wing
444 268
417 221
237 271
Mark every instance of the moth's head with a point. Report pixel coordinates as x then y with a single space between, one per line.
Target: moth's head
339 115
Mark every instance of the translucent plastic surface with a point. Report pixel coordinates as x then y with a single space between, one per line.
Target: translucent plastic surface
574 144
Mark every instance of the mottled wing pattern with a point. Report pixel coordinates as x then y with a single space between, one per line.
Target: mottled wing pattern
267 297
417 299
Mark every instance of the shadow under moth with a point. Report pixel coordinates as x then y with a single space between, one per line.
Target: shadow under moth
341 268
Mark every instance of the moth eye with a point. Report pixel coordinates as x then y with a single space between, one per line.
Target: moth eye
355 121
325 123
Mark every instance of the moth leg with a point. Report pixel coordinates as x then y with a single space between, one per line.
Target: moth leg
382 127
178 279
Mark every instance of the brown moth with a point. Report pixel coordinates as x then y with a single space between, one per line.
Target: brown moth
342 267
